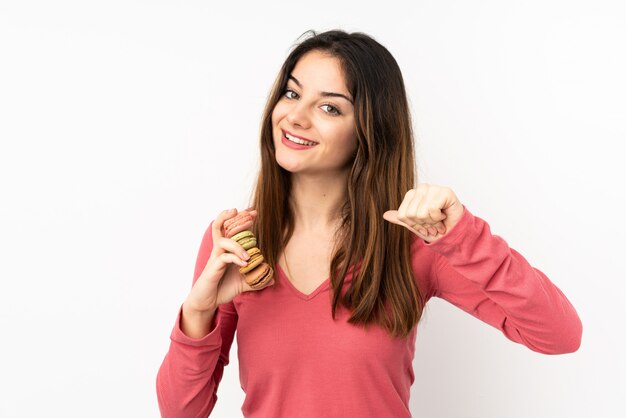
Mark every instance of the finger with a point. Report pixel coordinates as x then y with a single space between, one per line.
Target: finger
438 229
216 230
232 246
413 210
438 199
230 258
218 265
435 215
420 210
402 210
391 216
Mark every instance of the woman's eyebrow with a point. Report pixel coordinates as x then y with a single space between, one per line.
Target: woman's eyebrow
322 93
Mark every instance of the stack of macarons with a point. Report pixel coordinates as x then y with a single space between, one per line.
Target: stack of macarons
257 272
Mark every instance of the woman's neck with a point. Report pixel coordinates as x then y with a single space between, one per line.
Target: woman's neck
316 202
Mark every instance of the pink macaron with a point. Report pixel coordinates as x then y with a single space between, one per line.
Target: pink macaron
241 222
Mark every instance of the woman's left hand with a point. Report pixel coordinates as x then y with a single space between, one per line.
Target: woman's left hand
428 211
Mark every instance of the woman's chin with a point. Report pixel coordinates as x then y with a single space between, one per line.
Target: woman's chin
288 164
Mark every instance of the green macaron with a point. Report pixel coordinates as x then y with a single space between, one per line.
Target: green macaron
242 234
246 239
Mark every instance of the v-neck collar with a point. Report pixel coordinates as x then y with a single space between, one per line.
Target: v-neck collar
324 285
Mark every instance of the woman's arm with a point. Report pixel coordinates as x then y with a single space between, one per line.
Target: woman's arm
190 374
479 273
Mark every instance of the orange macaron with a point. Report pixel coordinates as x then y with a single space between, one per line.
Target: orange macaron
259 276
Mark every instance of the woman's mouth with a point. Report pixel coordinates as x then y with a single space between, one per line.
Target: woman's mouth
295 142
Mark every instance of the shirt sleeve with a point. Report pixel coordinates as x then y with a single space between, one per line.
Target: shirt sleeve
479 273
191 372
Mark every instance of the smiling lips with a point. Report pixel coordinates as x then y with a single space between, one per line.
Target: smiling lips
298 140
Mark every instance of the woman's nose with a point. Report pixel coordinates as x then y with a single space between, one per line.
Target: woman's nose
298 116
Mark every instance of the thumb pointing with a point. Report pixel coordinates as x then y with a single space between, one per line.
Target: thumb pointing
392 216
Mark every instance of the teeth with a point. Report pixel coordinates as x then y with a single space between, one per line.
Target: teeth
299 141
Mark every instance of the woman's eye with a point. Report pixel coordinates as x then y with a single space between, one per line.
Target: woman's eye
290 91
334 110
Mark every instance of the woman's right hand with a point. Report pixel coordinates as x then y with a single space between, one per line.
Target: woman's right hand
220 281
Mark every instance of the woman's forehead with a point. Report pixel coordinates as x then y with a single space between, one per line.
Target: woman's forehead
320 72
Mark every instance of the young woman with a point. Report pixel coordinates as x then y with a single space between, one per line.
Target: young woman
357 248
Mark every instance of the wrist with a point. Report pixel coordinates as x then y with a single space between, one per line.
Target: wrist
189 309
196 323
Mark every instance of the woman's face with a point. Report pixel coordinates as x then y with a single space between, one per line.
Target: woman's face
307 112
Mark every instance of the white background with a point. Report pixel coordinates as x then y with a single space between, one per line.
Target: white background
117 120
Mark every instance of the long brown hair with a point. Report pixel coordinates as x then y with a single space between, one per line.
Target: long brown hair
383 289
